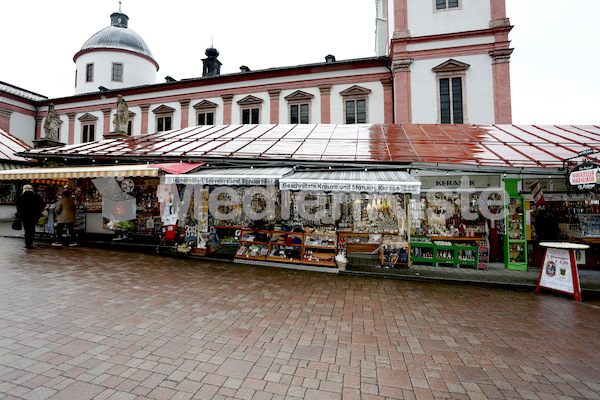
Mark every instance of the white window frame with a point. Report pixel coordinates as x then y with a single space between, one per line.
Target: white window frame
446 8
112 72
87 66
88 120
162 113
448 70
299 98
85 135
355 93
250 103
206 107
450 77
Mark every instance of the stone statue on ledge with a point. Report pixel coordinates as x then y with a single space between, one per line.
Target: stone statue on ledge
121 119
52 124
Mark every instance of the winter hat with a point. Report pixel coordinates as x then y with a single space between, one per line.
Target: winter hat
27 188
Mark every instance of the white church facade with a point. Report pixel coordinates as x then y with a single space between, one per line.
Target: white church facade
436 62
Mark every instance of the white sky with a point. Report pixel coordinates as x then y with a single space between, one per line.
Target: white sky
553 68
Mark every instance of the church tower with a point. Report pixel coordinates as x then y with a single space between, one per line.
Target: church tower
450 59
115 57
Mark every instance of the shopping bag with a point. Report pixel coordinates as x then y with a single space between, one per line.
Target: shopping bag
170 233
17 225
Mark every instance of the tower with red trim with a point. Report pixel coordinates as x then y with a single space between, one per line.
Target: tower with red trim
449 59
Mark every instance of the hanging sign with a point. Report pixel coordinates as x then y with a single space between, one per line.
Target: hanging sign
559 269
585 177
538 194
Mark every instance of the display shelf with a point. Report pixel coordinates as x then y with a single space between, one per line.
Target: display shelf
517 251
253 251
318 258
458 238
361 242
466 255
422 252
228 235
393 251
590 225
286 246
445 255
254 236
320 240
515 242
320 248
254 244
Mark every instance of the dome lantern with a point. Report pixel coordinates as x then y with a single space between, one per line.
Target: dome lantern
119 19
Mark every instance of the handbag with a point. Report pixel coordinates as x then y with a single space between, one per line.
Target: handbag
17 225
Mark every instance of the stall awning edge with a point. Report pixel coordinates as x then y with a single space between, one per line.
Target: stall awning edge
142 170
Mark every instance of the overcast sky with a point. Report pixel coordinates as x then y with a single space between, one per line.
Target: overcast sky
553 68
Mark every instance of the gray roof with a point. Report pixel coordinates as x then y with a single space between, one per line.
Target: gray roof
114 37
17 91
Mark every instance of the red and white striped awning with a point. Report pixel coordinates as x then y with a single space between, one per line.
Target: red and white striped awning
143 170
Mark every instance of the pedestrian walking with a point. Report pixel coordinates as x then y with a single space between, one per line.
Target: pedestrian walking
29 207
65 218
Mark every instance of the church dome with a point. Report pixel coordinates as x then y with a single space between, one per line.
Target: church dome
116 57
119 37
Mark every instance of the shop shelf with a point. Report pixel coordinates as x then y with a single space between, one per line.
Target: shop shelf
252 251
515 243
250 236
286 242
327 259
418 250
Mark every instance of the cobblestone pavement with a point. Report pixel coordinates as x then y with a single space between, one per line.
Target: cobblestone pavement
90 323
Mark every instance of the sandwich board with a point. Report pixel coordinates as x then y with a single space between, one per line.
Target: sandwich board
559 269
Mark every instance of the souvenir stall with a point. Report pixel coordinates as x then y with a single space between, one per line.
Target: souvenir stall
448 220
218 207
363 211
309 217
99 209
565 208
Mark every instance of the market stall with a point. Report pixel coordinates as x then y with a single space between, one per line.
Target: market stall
451 220
566 208
138 181
308 217
367 210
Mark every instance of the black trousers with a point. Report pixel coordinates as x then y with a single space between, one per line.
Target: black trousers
29 228
59 230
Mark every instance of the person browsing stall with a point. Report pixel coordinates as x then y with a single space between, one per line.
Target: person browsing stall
65 218
29 207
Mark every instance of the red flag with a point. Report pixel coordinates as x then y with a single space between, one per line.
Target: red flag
538 195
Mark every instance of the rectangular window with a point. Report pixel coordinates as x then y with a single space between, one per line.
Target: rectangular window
451 102
443 4
356 111
206 118
299 114
251 116
117 72
89 73
88 134
163 124
129 128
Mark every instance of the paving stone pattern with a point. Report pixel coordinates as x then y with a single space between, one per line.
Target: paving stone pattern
89 323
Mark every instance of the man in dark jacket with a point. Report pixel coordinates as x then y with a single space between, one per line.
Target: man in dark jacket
29 207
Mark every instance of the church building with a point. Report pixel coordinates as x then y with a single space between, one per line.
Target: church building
436 62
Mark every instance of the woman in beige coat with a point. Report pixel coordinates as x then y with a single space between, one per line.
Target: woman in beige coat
65 217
